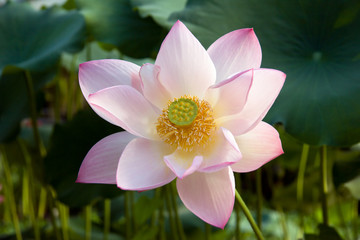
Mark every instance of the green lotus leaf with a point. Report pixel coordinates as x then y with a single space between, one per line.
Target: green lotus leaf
315 43
159 10
116 22
33 40
14 104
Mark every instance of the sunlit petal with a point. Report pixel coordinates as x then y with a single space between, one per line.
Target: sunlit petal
186 67
266 86
141 166
231 94
99 74
183 163
258 146
210 196
223 152
99 165
235 52
152 88
127 108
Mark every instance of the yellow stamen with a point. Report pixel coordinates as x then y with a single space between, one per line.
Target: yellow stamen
190 127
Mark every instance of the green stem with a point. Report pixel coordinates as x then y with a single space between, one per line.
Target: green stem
340 214
34 219
132 209
207 231
171 216
25 193
155 215
9 194
42 203
237 226
88 51
355 221
71 89
33 112
173 196
107 218
283 222
57 97
324 186
237 208
301 173
52 204
127 216
259 197
64 218
30 202
161 221
32 193
88 212
5 206
249 216
300 181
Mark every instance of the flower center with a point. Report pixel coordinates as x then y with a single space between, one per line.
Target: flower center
182 112
187 123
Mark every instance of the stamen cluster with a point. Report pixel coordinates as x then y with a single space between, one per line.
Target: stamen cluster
193 136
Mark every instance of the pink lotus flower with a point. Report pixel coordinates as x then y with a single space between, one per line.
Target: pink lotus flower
194 115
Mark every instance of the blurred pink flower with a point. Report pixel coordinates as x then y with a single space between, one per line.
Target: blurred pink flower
194 115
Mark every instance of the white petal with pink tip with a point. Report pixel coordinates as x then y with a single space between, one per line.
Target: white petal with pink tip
128 108
186 67
99 74
258 146
210 196
152 88
231 94
223 152
183 163
141 166
100 163
235 52
266 86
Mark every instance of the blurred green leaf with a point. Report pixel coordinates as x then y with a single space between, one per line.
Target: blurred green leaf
69 145
292 147
69 4
326 233
315 43
77 231
45 131
159 10
115 22
33 40
42 4
146 233
346 170
286 195
311 237
144 208
14 103
354 187
98 52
